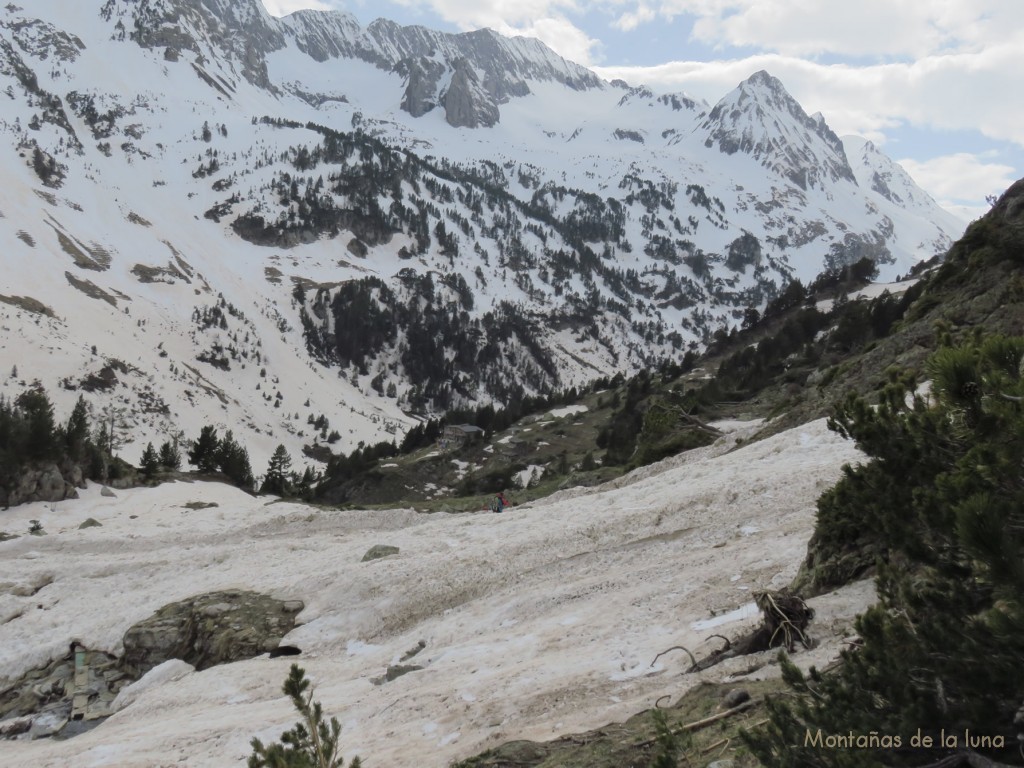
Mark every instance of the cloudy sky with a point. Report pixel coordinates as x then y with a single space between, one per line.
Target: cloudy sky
936 83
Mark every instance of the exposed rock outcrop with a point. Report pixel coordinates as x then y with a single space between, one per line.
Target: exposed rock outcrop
46 482
78 686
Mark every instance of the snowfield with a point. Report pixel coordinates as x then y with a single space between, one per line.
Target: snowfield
538 622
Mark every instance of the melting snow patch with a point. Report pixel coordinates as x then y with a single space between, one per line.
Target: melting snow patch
747 530
530 474
359 648
168 672
743 612
569 410
638 669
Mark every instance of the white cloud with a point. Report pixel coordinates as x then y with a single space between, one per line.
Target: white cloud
632 19
564 38
866 28
284 7
543 19
954 179
946 92
495 14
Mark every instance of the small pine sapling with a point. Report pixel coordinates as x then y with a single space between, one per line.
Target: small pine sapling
671 745
311 743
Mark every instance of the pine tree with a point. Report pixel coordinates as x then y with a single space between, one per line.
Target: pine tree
112 429
170 458
671 746
939 510
277 480
205 452
150 463
311 743
40 439
233 461
305 484
76 435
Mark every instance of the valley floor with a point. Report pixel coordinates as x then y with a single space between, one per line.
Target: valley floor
537 622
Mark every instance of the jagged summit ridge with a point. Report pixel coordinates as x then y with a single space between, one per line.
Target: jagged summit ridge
482 69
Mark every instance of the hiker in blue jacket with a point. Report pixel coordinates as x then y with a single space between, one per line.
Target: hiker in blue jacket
499 502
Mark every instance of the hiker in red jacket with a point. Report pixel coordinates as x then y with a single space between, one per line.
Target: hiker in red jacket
499 502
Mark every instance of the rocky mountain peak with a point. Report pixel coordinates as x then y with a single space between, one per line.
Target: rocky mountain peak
881 174
760 118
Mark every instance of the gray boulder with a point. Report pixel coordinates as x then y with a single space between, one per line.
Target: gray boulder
377 551
50 485
207 630
49 723
734 697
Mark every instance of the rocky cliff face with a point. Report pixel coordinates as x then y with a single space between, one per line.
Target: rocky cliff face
242 30
467 104
423 78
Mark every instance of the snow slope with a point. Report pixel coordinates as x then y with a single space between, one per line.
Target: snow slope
538 622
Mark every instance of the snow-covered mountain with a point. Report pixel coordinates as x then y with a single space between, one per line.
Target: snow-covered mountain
214 216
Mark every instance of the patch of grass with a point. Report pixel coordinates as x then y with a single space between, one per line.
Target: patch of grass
636 741
194 505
